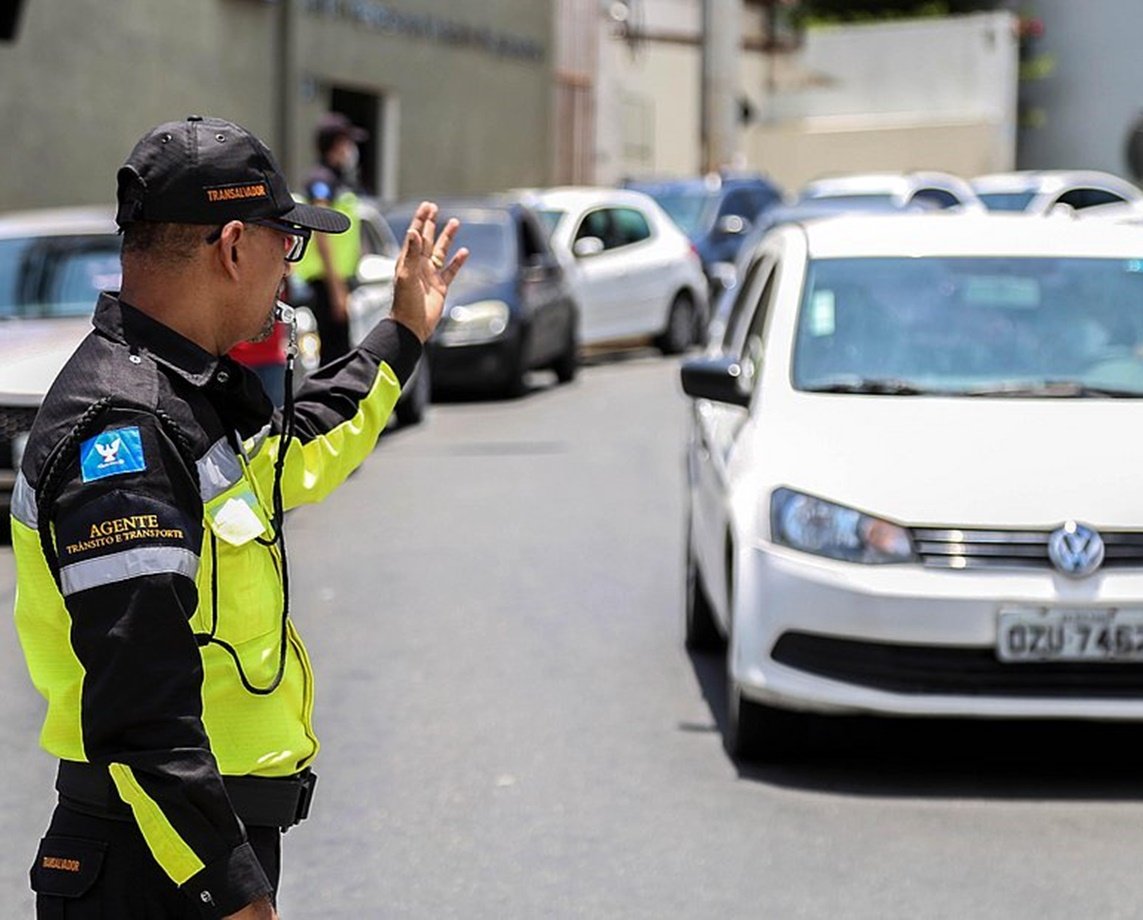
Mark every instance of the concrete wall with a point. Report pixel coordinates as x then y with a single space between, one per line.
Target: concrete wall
86 77
1096 89
921 94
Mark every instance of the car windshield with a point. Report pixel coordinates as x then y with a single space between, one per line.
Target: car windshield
972 327
693 211
1006 201
491 245
854 200
550 219
56 276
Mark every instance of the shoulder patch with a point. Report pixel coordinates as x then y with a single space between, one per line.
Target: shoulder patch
112 453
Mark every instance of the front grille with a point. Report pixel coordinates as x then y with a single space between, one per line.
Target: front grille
14 420
953 670
1023 549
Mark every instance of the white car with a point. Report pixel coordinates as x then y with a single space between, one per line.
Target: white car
914 474
1039 191
634 273
930 189
53 263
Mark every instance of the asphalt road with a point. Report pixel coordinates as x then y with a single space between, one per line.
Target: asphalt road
512 729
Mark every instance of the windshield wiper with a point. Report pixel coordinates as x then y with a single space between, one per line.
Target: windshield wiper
1059 389
878 386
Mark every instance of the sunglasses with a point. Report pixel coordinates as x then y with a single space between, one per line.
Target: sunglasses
298 238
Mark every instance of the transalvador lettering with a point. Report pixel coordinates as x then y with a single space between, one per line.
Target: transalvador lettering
236 192
54 862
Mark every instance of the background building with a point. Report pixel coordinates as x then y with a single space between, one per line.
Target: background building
937 93
1081 94
458 97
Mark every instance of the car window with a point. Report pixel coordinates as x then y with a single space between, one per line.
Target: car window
958 325
630 227
1080 198
550 219
746 298
491 245
1006 201
533 248
941 198
753 346
740 203
596 224
57 276
692 211
377 238
616 227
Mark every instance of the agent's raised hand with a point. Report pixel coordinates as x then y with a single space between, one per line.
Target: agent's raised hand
424 271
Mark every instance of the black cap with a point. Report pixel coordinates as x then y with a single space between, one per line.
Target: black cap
210 171
333 126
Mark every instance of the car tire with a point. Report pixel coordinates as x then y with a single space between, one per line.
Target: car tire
411 411
680 331
566 365
762 734
700 629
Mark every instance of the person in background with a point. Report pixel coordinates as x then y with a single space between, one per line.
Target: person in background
331 264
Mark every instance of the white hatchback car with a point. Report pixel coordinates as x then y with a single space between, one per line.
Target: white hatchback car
914 474
634 273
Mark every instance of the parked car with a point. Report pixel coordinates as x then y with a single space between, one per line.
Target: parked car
510 310
893 502
716 212
370 295
1039 191
937 190
53 264
635 274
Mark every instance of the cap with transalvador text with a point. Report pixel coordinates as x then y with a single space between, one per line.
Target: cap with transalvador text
210 171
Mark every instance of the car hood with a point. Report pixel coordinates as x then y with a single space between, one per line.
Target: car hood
33 352
961 462
478 286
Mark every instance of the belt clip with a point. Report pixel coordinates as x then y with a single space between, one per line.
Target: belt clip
307 781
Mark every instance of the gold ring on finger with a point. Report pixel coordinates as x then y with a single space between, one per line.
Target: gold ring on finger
437 260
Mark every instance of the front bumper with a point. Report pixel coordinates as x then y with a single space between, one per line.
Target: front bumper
828 636
479 366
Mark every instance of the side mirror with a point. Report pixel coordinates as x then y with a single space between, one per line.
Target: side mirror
374 268
587 246
720 379
732 225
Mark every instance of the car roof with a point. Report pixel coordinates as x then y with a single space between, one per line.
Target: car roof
57 222
711 182
1049 180
573 197
948 234
884 183
498 206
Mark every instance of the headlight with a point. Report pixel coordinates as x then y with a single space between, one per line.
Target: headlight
470 324
825 529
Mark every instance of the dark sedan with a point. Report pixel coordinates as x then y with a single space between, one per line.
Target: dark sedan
510 309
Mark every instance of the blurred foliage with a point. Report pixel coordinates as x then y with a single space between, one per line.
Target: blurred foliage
819 12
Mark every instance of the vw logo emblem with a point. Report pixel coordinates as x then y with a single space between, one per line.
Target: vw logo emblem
1075 550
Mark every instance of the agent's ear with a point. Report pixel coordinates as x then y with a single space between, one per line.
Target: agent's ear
228 245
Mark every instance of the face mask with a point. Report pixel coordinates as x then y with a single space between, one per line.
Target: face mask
352 158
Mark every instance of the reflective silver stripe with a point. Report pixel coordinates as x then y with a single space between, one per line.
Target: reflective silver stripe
131 563
218 470
24 503
254 444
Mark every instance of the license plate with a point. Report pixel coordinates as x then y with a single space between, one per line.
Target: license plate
1065 634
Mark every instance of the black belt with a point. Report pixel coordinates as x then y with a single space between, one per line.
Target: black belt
260 801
